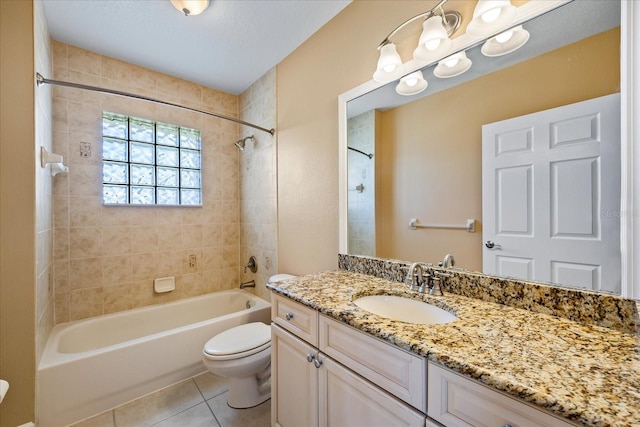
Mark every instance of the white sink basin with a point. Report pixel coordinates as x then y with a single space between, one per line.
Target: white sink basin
404 309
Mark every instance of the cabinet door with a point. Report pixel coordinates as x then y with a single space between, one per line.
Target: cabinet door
346 399
294 381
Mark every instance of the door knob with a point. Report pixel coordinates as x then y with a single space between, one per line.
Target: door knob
490 245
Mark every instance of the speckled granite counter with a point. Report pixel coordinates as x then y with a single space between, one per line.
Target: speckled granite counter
587 374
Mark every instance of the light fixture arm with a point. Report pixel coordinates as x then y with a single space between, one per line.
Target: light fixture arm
450 19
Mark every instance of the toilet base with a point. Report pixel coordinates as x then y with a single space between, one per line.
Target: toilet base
250 391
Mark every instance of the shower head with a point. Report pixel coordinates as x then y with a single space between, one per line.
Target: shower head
241 142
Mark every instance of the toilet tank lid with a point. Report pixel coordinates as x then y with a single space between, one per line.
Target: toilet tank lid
280 277
239 339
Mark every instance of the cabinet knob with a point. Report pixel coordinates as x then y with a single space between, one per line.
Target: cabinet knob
289 316
317 362
310 357
507 425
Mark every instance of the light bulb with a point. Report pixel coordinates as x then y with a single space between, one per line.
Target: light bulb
491 15
432 44
504 37
389 67
411 82
451 62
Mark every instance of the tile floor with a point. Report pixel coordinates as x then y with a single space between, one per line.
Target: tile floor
197 402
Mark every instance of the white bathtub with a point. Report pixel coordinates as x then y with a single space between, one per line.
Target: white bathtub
90 366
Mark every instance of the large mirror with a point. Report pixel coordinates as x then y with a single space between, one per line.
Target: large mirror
414 178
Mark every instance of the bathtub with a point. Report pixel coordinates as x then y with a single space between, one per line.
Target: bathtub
90 366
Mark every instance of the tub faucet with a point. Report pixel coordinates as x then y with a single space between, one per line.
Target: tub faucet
448 261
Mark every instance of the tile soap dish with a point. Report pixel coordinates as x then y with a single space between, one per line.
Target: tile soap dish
164 284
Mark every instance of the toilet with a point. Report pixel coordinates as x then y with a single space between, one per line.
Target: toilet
243 354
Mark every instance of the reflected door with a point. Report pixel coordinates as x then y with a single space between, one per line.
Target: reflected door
551 195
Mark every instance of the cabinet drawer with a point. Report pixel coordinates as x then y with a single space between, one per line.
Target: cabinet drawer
296 318
456 401
397 371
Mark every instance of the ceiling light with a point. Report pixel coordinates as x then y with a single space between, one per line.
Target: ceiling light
412 84
434 40
506 42
491 16
390 66
190 7
452 66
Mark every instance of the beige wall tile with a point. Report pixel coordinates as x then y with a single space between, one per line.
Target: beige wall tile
84 303
85 273
85 242
116 241
116 270
144 239
107 260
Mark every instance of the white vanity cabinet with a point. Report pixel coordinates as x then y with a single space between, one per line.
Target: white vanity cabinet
456 401
326 373
311 388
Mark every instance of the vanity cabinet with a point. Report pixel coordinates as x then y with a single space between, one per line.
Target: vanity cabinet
456 401
311 388
326 373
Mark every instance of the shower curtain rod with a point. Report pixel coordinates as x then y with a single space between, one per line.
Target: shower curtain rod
42 80
361 152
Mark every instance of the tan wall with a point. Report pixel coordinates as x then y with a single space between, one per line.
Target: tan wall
106 257
258 198
432 167
17 211
340 56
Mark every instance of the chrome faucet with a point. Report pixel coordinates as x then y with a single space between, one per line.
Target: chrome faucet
414 276
448 261
417 276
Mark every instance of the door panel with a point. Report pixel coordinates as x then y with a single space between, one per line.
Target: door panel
551 191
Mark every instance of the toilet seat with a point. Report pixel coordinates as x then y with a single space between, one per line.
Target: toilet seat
240 341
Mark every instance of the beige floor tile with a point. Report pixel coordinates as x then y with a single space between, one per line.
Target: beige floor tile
159 406
198 416
102 420
259 416
211 385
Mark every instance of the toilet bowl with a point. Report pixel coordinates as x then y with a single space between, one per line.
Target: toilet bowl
243 354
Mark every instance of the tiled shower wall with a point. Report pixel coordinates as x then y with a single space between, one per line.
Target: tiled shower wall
105 258
361 172
258 200
44 211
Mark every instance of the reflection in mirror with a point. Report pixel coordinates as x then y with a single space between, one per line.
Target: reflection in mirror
427 153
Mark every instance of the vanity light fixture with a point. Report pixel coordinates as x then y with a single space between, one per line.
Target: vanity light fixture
452 66
434 40
390 65
491 16
505 42
190 7
433 43
412 84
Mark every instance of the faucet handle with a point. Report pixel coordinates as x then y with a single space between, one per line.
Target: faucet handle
436 289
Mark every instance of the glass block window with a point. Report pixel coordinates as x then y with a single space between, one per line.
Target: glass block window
149 163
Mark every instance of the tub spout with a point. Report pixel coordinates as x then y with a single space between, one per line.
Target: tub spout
249 284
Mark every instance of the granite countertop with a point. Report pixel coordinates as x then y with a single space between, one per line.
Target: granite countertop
587 374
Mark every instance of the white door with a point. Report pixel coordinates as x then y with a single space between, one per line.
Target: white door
551 195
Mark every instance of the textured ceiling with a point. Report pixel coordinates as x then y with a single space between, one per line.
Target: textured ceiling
228 47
